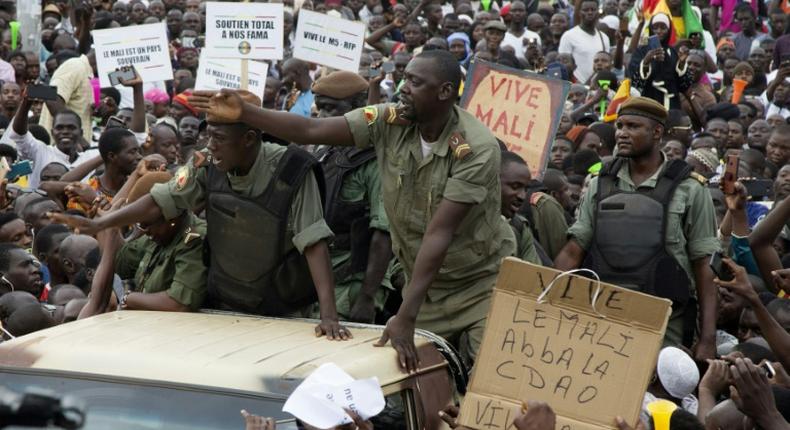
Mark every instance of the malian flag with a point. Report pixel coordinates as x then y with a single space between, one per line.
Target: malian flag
623 93
691 23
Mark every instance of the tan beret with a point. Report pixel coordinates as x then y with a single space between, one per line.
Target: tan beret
644 107
247 96
340 85
495 24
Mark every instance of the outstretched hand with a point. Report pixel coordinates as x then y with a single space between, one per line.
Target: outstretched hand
225 103
81 225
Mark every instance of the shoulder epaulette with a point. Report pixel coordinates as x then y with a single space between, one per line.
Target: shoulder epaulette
395 117
199 159
699 178
458 145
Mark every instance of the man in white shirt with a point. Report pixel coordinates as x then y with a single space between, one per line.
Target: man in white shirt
518 35
584 41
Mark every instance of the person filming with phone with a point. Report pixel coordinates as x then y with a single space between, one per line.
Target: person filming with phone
657 69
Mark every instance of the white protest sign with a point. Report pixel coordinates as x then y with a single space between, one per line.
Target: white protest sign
215 74
244 30
143 46
329 41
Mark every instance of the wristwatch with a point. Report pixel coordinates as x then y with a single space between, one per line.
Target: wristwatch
125 297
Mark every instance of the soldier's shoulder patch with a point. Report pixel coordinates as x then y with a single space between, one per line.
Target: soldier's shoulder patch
461 149
182 177
199 159
395 117
190 236
699 178
371 113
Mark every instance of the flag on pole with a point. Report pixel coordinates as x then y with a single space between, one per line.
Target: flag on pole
623 93
682 26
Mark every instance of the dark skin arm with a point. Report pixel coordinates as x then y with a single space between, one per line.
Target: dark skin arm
77 173
570 257
287 126
635 39
160 301
144 209
20 119
435 242
374 39
772 331
708 303
317 256
84 15
110 242
761 242
379 256
137 124
619 49
714 22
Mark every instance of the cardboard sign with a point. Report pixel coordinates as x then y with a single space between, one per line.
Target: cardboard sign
590 364
143 46
329 41
215 74
244 30
521 108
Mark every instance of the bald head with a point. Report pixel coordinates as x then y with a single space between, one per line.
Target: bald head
62 294
73 251
10 302
28 319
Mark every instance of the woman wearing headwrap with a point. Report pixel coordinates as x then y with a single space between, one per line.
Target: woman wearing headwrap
159 99
660 73
460 47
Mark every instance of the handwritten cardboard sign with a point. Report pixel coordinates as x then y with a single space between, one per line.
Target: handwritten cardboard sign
244 30
589 364
521 108
143 46
329 41
215 74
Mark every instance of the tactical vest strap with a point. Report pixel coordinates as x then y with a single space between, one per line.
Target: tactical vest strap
291 171
675 173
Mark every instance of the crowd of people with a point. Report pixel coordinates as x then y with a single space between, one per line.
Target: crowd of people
373 197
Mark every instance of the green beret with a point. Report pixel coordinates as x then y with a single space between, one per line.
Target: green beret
645 107
340 85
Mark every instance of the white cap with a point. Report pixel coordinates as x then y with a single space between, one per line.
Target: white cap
660 17
611 21
677 372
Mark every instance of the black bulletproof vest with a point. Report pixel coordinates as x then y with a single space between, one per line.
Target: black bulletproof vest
349 221
253 267
629 246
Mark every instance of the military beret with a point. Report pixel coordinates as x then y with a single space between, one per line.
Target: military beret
644 107
340 85
495 24
247 96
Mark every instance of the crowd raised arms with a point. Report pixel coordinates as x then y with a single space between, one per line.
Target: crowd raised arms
401 163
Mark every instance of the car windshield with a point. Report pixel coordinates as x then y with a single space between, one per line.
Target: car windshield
125 405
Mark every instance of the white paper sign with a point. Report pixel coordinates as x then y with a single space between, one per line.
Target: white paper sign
215 74
329 41
244 30
320 399
143 46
